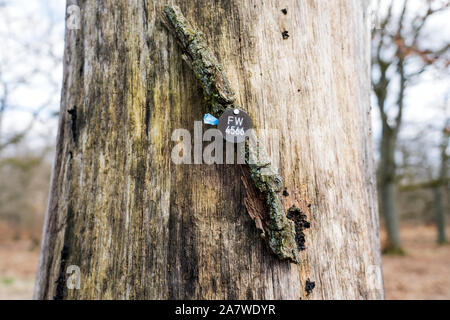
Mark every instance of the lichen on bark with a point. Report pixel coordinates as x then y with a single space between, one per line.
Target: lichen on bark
262 182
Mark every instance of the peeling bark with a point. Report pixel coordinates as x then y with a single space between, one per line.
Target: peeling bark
276 229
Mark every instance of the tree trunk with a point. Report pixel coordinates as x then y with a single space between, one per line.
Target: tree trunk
389 208
140 227
439 205
439 215
388 188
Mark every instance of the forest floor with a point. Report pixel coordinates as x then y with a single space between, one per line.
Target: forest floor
423 273
18 264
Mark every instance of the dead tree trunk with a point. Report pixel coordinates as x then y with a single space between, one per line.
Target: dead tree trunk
140 227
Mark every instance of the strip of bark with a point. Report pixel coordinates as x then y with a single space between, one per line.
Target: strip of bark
262 182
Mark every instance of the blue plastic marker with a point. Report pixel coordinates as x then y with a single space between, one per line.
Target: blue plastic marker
210 119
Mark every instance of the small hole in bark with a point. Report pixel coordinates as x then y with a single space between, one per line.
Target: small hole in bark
285 34
284 11
285 192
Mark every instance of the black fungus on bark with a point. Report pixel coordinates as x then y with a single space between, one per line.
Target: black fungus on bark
309 286
300 222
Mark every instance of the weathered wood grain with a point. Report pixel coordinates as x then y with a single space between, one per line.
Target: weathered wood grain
140 227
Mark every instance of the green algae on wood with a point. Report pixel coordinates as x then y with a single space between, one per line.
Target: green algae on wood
201 59
263 200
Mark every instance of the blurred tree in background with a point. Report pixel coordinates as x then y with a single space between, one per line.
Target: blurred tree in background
442 182
24 191
424 180
30 75
401 54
